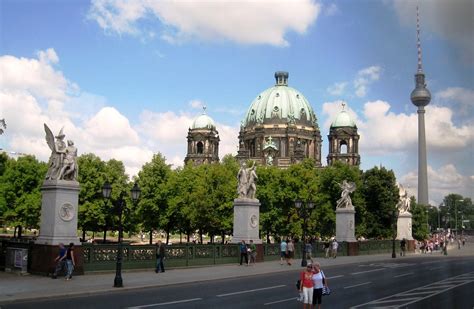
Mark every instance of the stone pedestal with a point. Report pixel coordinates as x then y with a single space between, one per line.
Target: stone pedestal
42 260
246 220
345 225
59 210
404 229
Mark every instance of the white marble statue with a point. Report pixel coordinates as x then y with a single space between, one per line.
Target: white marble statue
63 160
247 177
345 200
403 204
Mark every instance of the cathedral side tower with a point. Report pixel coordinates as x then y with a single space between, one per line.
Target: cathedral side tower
343 140
203 141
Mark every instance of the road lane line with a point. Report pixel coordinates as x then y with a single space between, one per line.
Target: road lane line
433 268
334 277
403 275
367 271
167 303
356 285
280 301
250 291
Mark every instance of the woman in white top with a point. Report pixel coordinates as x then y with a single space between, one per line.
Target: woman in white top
318 284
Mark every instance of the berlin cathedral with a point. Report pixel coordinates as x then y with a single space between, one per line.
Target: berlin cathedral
280 128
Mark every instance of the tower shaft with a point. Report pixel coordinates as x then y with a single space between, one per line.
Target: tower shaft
422 165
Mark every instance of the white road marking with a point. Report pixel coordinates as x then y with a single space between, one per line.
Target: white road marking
367 271
403 275
250 291
353 286
401 301
433 268
167 303
280 301
334 277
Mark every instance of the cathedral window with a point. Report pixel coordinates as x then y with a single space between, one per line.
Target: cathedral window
200 148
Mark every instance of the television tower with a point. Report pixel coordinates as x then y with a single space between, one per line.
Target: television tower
421 97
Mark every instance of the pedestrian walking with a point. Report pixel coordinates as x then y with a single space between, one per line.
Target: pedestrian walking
283 251
243 253
459 243
160 257
291 251
253 252
60 261
335 245
403 246
319 281
327 248
70 261
306 286
309 250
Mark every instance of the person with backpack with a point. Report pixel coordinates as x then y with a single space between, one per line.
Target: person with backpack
306 286
319 282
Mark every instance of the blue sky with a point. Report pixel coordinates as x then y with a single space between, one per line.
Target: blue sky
126 79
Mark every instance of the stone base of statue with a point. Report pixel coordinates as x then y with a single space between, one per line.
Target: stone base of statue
345 225
246 220
404 229
59 210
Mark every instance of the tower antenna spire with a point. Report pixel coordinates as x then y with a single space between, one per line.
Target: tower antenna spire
418 42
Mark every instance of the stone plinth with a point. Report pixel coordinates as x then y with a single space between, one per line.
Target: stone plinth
404 229
42 260
345 224
246 220
59 210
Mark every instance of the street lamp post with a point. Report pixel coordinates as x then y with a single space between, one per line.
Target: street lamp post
302 207
394 233
120 204
456 214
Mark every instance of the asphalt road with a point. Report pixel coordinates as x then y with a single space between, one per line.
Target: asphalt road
396 283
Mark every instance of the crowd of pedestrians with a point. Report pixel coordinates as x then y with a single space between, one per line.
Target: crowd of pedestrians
439 242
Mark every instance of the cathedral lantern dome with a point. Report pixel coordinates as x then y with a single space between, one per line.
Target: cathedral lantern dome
343 119
203 121
280 104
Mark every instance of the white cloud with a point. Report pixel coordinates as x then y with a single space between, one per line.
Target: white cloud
364 78
210 20
451 20
441 182
461 99
337 89
33 92
330 9
196 104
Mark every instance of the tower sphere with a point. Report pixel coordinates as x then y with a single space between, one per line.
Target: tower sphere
420 96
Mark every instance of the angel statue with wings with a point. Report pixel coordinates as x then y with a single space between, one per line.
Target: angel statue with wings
403 204
62 162
345 200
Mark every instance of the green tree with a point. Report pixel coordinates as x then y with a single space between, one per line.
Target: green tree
153 204
381 196
419 220
20 192
93 212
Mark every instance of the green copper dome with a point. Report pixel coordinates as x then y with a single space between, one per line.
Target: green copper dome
280 104
343 119
203 121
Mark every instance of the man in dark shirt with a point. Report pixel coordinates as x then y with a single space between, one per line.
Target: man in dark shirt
160 256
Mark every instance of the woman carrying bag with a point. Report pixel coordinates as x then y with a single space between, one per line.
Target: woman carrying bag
319 283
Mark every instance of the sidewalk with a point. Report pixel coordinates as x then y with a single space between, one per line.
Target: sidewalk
14 287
